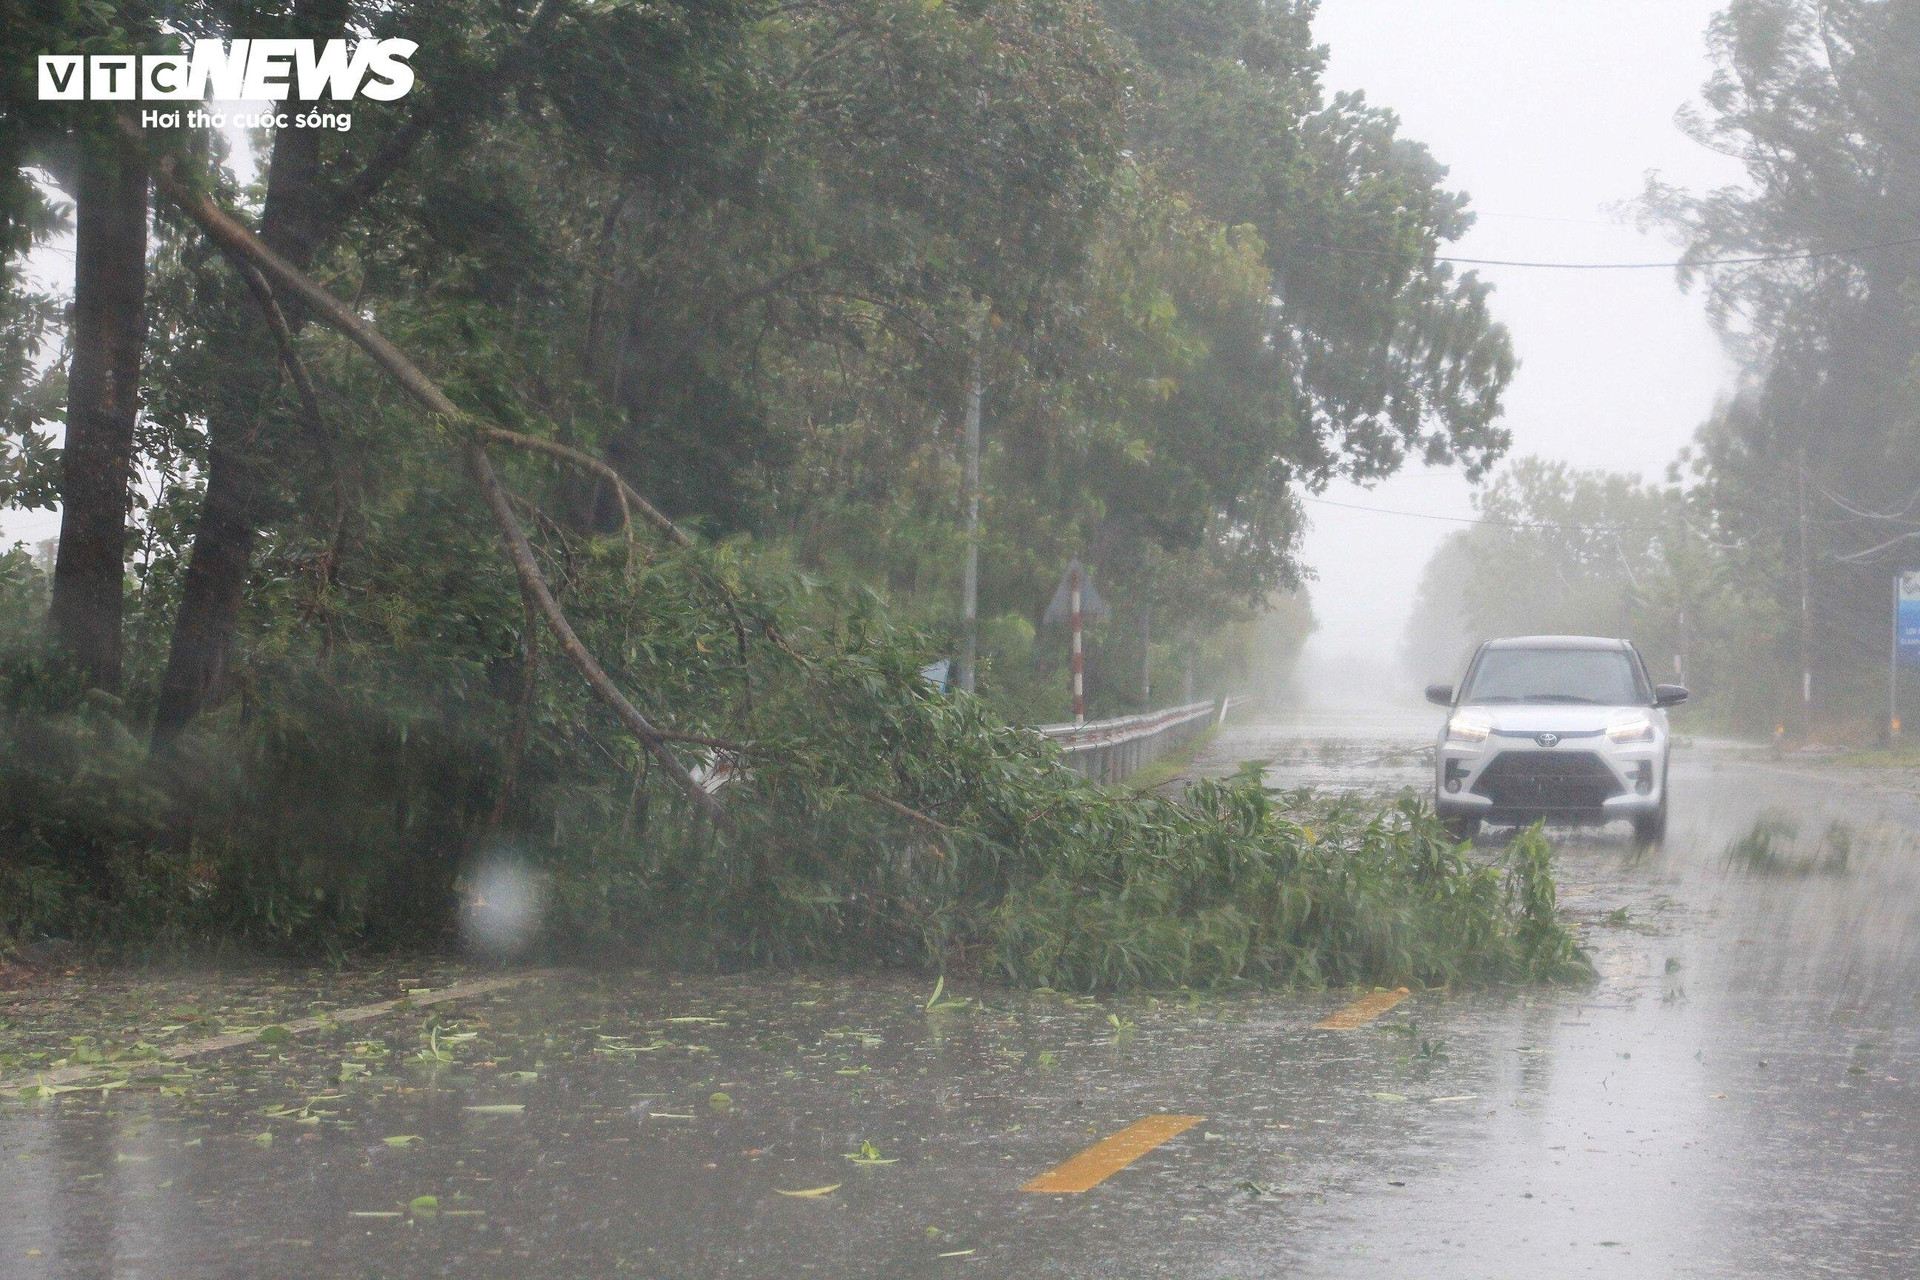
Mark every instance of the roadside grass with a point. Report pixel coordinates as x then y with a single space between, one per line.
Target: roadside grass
1903 757
1160 772
1772 847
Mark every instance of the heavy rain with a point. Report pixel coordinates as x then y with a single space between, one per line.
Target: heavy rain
1217 638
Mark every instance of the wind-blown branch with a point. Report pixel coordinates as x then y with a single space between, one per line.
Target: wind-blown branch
481 468
630 499
231 235
314 417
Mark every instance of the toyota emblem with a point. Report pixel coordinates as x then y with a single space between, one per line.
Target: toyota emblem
1547 739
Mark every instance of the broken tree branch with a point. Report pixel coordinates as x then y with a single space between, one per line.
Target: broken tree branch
630 499
906 811
522 709
231 235
309 400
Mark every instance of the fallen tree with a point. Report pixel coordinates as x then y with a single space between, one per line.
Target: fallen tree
869 820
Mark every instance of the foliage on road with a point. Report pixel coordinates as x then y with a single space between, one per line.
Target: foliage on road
608 1081
1238 884
1772 846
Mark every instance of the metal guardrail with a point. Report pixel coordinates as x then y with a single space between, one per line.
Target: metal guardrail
1108 750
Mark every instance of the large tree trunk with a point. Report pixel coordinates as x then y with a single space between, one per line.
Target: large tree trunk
298 215
534 587
103 400
238 489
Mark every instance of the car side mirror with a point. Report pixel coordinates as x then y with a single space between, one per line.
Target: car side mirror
1669 695
1442 694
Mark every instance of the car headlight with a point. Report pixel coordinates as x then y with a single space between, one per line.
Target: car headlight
1638 729
1468 728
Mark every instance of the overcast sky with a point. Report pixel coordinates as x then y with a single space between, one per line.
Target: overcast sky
1546 112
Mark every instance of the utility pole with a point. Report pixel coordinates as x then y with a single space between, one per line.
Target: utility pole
1893 667
1146 657
1806 618
970 578
1079 686
1680 646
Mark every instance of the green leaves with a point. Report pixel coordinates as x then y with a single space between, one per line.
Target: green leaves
1229 887
936 1004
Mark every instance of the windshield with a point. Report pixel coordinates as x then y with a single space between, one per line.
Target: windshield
1604 677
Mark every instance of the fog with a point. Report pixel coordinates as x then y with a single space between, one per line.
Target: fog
1547 114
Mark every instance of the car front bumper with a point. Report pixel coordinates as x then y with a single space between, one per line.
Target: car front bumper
1581 778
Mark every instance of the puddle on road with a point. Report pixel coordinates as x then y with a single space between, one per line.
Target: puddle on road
629 1119
1751 1045
1366 753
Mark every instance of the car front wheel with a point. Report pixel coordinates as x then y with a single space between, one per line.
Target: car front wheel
1651 828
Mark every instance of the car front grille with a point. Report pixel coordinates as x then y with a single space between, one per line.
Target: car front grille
1547 780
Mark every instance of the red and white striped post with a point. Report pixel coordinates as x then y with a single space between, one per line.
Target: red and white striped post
1079 689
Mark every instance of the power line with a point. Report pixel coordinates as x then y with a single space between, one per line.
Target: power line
1805 256
1502 524
1541 217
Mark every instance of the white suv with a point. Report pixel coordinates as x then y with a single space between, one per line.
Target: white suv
1566 728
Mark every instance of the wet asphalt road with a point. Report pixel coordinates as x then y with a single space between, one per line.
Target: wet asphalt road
1734 1097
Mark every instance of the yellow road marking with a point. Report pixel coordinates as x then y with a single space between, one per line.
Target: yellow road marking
1362 1011
1110 1155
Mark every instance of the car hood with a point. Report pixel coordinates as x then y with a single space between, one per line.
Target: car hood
1555 717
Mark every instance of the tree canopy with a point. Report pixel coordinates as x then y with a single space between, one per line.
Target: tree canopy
1815 458
739 250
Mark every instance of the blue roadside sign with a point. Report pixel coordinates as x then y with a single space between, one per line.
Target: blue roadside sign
1906 618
